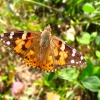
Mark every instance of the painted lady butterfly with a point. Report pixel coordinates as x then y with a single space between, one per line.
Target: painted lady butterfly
42 50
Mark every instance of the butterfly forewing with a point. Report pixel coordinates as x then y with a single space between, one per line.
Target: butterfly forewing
48 55
65 55
19 41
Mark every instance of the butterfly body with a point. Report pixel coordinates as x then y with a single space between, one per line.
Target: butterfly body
42 50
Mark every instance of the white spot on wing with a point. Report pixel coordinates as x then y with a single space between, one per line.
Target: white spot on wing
76 62
12 33
24 35
81 57
8 42
72 61
10 36
73 52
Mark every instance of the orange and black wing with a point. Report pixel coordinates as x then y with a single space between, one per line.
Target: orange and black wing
66 56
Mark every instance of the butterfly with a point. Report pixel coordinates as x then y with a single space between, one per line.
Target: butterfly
42 50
